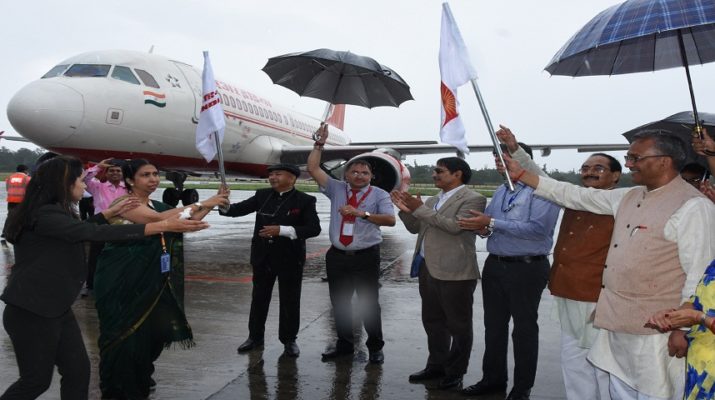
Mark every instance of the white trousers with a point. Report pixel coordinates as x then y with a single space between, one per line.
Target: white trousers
581 378
621 391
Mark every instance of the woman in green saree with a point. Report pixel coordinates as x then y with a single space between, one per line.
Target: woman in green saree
139 290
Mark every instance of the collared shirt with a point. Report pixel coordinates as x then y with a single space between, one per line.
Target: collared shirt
691 228
523 223
365 233
443 197
104 193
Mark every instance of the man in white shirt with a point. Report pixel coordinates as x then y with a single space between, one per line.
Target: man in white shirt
661 244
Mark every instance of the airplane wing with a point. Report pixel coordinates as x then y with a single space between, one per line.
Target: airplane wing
299 154
13 138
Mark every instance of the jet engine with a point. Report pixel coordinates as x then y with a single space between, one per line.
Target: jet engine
389 173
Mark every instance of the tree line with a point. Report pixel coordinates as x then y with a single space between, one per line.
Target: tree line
490 176
9 160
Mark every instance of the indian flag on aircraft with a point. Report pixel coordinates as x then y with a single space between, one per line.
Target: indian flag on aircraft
157 99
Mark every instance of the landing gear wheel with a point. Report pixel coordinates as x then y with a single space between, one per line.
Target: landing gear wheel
189 196
171 196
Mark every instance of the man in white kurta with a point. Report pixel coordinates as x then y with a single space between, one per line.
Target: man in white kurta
662 243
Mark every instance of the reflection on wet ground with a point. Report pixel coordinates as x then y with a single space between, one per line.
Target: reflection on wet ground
218 292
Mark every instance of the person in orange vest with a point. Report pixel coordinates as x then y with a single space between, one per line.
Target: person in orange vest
15 185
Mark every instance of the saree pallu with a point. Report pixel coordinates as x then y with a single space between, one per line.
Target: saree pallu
140 311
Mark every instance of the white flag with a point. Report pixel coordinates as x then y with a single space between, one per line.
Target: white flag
211 119
456 70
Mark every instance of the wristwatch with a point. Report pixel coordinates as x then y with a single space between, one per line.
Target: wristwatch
199 205
491 224
366 216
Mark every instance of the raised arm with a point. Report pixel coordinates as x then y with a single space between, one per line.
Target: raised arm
313 166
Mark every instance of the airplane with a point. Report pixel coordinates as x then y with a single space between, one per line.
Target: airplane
129 104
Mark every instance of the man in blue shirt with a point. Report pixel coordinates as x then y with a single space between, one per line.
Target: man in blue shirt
520 228
357 210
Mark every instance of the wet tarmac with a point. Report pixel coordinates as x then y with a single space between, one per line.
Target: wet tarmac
218 292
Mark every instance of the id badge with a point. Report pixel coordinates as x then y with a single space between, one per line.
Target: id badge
165 263
348 229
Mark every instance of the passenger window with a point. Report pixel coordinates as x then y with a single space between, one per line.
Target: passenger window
250 108
224 100
260 109
238 104
124 74
233 102
88 70
55 71
146 78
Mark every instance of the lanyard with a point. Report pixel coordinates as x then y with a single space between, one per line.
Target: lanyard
163 243
361 199
510 203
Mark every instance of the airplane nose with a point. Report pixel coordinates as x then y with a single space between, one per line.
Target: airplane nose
46 112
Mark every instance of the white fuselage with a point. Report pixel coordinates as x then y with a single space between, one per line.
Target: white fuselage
120 114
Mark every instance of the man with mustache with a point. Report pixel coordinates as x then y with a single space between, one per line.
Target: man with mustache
662 242
285 218
445 260
575 279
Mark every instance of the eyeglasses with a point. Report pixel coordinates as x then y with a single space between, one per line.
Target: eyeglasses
599 169
696 179
636 159
360 173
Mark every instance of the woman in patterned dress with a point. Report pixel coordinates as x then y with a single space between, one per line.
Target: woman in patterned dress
699 315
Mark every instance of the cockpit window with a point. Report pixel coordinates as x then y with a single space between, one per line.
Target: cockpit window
124 74
88 70
56 71
147 78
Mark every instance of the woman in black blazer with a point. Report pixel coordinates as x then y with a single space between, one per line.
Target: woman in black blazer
49 272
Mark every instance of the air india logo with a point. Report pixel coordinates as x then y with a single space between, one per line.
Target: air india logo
449 103
154 98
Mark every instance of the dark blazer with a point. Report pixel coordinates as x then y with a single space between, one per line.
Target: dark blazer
297 209
50 266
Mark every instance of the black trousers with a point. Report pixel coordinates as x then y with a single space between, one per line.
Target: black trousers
290 279
358 273
447 319
512 290
11 207
41 343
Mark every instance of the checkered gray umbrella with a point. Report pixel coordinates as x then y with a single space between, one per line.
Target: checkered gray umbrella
639 36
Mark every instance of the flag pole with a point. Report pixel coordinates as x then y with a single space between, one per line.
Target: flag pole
221 169
490 127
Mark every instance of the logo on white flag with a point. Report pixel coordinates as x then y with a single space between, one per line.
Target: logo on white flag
455 70
211 118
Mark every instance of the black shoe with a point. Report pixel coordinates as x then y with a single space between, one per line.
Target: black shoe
482 387
448 382
249 345
426 374
519 395
291 349
377 357
332 353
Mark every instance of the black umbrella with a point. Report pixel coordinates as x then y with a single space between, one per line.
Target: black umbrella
681 126
639 36
339 77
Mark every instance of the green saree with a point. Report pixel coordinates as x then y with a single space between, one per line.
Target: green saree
141 311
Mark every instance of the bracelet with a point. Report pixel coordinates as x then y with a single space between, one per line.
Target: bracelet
318 144
523 171
702 319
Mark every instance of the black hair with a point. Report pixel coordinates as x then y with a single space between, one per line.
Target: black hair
454 164
52 183
359 161
613 164
21 168
694 168
130 168
666 144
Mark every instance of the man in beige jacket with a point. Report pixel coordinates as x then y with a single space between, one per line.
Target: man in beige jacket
446 262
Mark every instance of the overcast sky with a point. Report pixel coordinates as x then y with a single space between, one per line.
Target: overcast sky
510 43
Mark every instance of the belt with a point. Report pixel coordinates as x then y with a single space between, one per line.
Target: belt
521 259
354 252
